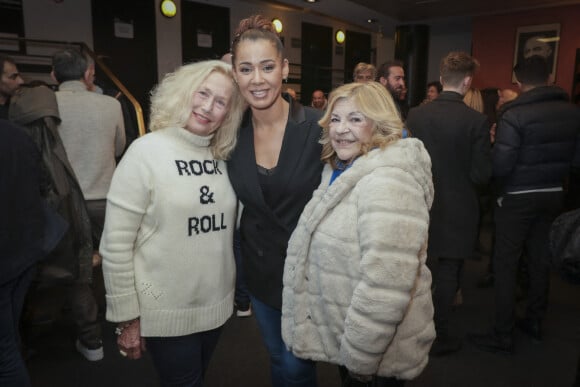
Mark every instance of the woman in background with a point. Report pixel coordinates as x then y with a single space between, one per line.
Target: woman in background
473 99
167 251
356 287
274 169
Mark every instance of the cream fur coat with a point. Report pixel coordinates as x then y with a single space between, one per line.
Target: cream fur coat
356 287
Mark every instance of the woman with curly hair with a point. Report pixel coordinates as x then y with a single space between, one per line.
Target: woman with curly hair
167 250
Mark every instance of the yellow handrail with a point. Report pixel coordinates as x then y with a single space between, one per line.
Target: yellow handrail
120 86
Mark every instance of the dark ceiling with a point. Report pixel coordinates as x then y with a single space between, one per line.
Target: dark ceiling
418 10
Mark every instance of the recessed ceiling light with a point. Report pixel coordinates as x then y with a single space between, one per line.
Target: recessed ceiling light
311 1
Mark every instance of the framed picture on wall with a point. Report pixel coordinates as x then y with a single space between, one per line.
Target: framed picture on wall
538 40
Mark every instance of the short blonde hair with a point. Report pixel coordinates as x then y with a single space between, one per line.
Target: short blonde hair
376 104
363 67
171 103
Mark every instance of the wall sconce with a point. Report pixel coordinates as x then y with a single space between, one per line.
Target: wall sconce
277 24
340 36
168 8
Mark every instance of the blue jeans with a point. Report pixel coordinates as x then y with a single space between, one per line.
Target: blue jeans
286 369
12 369
182 361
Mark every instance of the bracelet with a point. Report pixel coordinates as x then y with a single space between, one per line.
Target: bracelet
119 329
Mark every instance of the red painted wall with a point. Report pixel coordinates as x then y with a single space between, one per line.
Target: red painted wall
494 40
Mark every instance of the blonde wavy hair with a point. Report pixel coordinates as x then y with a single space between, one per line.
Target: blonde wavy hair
171 103
376 104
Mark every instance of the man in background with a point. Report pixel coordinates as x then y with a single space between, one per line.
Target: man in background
93 135
10 81
319 100
392 75
537 143
433 90
457 139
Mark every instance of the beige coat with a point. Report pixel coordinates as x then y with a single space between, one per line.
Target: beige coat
356 287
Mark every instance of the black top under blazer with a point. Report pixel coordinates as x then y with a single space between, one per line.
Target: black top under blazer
265 231
457 139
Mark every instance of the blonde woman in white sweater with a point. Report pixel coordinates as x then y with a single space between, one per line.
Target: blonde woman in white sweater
167 244
356 287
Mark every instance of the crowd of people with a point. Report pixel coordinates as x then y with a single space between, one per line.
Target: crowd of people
351 219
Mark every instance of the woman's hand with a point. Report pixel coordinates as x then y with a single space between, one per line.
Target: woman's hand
129 341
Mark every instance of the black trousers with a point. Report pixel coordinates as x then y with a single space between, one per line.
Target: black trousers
446 282
523 220
181 361
377 381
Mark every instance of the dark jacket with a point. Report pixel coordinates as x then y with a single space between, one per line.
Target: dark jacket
22 222
565 245
265 231
537 140
36 110
457 139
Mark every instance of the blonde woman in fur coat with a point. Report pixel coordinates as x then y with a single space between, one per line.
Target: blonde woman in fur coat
356 287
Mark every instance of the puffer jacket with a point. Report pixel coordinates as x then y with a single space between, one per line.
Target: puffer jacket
357 291
536 140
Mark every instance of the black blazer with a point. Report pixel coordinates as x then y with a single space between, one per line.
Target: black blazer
265 231
457 139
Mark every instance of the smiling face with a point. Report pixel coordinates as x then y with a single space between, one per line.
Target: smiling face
210 104
318 99
349 129
259 70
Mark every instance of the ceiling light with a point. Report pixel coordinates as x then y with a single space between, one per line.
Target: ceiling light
277 25
339 36
168 8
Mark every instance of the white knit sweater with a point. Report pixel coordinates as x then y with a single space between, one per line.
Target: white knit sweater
356 287
167 242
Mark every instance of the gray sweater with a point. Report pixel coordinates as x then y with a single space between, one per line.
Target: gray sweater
93 134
